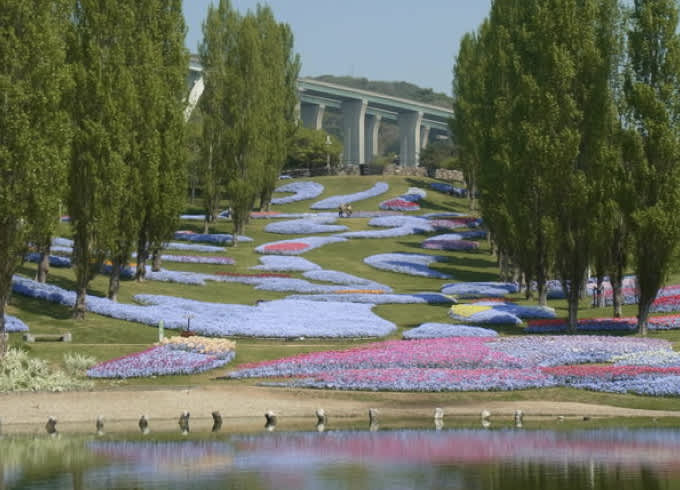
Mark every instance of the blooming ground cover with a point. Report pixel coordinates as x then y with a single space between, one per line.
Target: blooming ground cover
306 226
297 246
480 289
407 263
301 192
176 355
54 260
405 202
279 263
494 312
471 364
625 324
218 238
334 202
442 330
14 324
448 242
278 318
375 297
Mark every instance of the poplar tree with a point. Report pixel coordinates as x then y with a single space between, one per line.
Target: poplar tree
653 149
34 136
101 105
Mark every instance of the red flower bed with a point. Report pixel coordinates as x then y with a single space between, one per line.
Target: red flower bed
288 246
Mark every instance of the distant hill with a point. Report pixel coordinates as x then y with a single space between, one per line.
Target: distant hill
404 90
389 132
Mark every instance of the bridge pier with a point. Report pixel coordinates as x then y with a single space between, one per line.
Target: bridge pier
312 115
424 136
354 116
372 123
409 137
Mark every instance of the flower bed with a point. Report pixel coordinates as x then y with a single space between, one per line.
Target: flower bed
375 298
285 264
625 324
296 246
335 201
406 263
338 277
219 238
301 192
448 189
305 226
192 247
177 355
14 324
405 202
197 259
480 289
666 304
495 312
443 330
54 260
436 243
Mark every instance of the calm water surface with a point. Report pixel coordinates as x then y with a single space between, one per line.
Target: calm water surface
520 459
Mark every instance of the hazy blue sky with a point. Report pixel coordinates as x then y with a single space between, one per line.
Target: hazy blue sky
378 39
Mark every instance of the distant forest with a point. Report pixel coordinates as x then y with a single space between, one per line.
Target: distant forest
389 131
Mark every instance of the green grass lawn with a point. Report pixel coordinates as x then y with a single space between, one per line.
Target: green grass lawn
105 338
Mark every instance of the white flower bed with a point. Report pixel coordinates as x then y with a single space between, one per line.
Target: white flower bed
297 246
406 263
302 191
284 284
442 330
13 324
62 242
280 263
480 289
280 318
336 201
338 277
397 226
306 226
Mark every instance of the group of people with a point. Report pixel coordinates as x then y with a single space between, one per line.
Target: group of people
345 210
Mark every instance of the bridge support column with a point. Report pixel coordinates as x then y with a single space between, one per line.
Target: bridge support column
409 138
424 136
354 114
312 115
371 136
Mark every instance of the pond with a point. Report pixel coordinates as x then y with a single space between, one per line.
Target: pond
452 457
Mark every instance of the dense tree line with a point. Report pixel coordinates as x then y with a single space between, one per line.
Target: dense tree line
92 98
566 121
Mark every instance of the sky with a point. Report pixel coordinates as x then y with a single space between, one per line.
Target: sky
390 40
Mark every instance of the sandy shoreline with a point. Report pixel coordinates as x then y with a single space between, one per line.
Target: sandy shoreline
28 412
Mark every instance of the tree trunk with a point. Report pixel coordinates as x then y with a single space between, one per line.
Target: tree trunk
541 286
573 302
156 262
617 290
79 306
601 301
114 280
205 225
142 255
643 315
44 264
3 334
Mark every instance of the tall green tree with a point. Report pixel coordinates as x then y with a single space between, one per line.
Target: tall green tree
101 106
34 135
653 95
163 164
283 69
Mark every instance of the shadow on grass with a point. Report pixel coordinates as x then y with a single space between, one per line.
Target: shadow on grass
51 310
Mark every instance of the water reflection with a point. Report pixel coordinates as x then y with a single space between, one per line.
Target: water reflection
445 458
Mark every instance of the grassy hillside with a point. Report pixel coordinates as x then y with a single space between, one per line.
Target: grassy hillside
106 338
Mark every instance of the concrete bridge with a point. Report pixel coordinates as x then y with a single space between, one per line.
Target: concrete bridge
362 112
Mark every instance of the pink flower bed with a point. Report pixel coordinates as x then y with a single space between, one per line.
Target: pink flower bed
286 247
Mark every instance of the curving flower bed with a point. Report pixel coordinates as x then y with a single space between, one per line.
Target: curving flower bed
338 277
54 260
219 238
192 247
285 264
625 324
14 324
306 226
176 355
301 192
197 259
297 246
335 201
407 263
437 243
443 330
405 202
494 312
480 289
375 298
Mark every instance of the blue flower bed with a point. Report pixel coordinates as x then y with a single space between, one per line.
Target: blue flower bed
219 238
54 260
442 330
338 277
480 289
281 263
14 324
297 246
375 298
302 191
306 226
406 263
336 201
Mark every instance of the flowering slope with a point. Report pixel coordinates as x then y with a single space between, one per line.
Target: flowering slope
407 263
335 201
285 264
480 289
302 191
